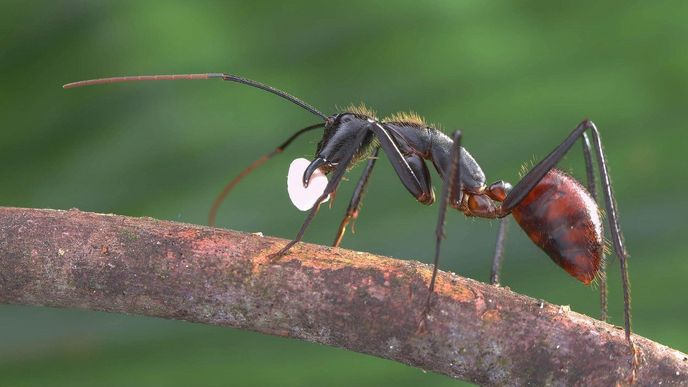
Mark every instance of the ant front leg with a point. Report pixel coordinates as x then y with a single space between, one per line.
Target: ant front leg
407 168
355 204
337 176
410 168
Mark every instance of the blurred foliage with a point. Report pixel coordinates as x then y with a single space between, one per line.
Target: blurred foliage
516 77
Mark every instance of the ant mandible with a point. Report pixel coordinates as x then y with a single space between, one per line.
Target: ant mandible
558 214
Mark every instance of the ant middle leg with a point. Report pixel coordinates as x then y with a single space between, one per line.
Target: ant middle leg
450 189
498 256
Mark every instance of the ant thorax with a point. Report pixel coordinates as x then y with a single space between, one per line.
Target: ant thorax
415 137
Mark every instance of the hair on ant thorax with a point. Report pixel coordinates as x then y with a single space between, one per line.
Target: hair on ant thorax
410 118
362 111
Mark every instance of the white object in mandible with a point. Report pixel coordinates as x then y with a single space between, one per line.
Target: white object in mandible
304 198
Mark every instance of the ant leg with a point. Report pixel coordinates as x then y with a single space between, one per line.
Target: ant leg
355 205
592 188
225 191
617 237
410 168
617 241
589 171
533 177
499 251
330 188
451 184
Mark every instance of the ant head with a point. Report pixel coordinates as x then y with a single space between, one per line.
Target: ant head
339 136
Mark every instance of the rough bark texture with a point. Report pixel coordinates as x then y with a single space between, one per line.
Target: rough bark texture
359 301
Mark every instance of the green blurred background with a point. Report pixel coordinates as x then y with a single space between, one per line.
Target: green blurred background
515 78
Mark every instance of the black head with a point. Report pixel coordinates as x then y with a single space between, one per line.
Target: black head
338 138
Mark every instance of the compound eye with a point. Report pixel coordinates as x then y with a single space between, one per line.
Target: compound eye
346 117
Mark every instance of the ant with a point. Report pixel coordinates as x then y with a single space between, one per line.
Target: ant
557 213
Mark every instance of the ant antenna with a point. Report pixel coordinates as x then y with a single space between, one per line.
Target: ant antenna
212 215
174 77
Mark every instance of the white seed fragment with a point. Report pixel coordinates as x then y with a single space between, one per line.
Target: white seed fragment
304 198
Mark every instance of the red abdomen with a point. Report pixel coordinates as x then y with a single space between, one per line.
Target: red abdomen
561 217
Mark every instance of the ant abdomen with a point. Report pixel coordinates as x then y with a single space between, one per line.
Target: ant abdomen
561 217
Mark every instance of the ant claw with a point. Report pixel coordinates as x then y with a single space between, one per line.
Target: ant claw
423 323
424 317
276 256
635 361
422 327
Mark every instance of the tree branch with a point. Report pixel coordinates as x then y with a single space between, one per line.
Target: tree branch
359 301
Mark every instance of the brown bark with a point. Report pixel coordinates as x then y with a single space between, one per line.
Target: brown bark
359 301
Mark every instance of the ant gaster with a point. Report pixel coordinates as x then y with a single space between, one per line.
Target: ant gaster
556 212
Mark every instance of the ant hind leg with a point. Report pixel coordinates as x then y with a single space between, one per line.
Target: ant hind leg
592 188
